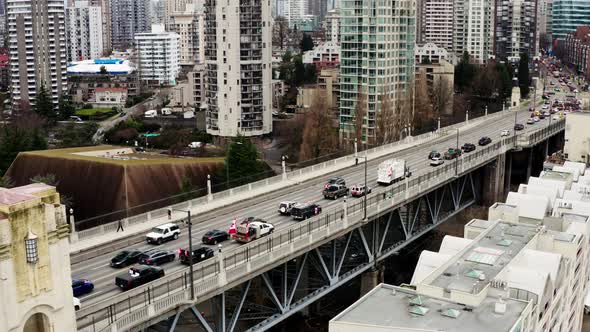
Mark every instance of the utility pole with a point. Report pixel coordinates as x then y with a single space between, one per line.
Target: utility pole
456 155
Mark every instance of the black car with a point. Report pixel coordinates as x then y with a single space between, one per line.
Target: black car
518 126
199 255
156 257
335 181
126 258
304 211
215 236
484 141
468 147
138 276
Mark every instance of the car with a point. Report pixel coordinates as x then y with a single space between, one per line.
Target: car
536 119
156 257
335 180
468 147
81 286
505 133
484 141
200 254
575 91
545 106
436 161
215 236
452 153
542 116
162 233
76 302
359 190
556 117
434 154
531 109
304 211
335 191
518 126
530 121
286 206
125 258
138 276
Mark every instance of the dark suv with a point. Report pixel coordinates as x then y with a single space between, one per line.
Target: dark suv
199 255
335 180
334 191
484 141
468 147
518 126
304 211
452 153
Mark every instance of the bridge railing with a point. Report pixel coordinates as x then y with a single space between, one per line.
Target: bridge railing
290 175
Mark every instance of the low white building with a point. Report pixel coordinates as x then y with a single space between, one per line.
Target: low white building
429 52
577 140
109 97
158 53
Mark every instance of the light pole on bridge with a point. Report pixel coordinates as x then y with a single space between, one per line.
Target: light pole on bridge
190 249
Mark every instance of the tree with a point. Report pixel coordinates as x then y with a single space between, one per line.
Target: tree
306 43
280 32
311 74
241 163
103 70
524 80
385 119
73 135
319 136
66 106
6 182
486 84
44 106
360 112
505 80
442 97
464 72
422 113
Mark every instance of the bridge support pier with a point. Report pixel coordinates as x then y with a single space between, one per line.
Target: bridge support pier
529 164
494 181
371 279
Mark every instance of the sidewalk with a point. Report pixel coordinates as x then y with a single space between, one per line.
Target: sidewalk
139 229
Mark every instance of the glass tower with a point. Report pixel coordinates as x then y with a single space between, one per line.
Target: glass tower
567 15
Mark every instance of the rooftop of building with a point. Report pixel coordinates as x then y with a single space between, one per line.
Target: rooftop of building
110 90
113 66
483 259
11 196
117 155
389 307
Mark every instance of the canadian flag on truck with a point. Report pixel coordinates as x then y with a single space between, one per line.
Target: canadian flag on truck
232 228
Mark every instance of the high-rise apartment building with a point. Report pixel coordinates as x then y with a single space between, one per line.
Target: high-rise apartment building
37 48
238 57
157 52
190 26
129 17
84 32
435 23
516 30
105 6
157 12
377 57
295 11
317 8
332 26
567 15
473 29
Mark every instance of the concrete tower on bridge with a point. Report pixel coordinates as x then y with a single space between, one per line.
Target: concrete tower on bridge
35 284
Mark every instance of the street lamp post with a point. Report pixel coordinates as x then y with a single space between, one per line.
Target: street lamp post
456 155
190 249
366 192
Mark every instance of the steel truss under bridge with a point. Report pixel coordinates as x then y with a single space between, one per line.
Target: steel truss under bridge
262 302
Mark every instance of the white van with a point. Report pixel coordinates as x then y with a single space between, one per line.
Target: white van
151 114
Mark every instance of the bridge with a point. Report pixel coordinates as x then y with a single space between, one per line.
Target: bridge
323 253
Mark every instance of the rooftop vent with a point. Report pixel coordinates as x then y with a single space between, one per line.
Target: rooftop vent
419 310
500 306
452 313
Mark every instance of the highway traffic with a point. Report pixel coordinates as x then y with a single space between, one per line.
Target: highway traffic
99 271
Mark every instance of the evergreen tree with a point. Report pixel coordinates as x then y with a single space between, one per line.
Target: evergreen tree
505 78
66 107
464 73
524 79
43 104
306 43
241 163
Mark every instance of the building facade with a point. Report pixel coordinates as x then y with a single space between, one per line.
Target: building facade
128 18
84 32
577 48
377 57
105 7
473 29
35 276
325 55
516 30
190 26
430 52
332 26
158 54
37 49
567 15
435 23
238 56
440 80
